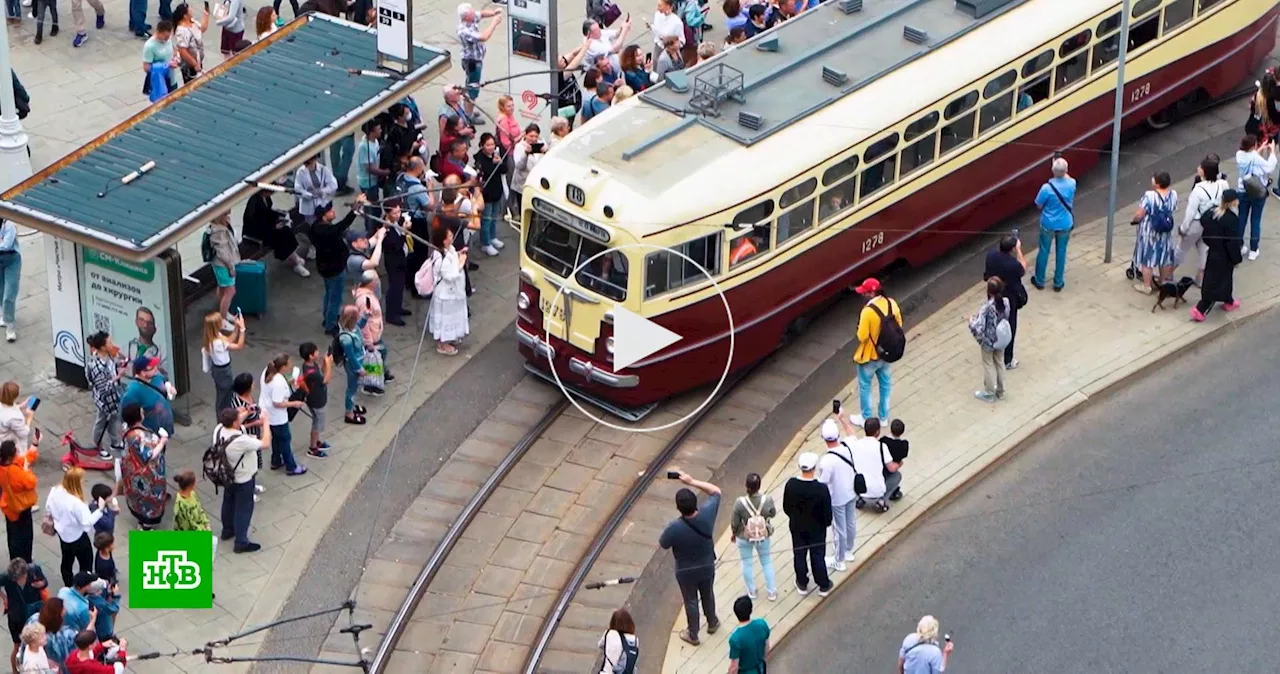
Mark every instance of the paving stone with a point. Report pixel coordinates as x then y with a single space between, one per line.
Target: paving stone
514 554
533 528
551 502
465 637
498 581
570 477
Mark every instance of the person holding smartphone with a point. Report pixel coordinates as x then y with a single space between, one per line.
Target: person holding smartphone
527 154
690 540
16 418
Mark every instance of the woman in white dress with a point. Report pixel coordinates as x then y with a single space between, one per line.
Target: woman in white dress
447 318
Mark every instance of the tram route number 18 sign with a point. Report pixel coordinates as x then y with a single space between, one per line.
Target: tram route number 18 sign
393 29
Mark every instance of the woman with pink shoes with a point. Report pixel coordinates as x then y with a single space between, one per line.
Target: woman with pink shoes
1223 236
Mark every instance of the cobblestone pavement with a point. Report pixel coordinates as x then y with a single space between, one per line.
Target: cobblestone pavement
1072 346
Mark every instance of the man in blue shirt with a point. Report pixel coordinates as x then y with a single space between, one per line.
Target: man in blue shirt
75 602
690 540
920 653
1055 201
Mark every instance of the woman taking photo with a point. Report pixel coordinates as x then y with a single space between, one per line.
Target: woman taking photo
16 420
992 339
215 357
1157 252
18 484
489 162
73 521
633 69
1222 234
188 39
619 644
103 373
750 540
508 127
447 317
526 156
143 472
275 403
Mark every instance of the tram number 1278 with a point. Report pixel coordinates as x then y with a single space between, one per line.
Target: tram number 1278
873 242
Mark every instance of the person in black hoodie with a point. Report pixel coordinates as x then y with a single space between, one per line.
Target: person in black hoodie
395 259
1223 236
328 237
491 164
807 504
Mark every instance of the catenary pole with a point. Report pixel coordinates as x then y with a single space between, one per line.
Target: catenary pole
1115 130
15 165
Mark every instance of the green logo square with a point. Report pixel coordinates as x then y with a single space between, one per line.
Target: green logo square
171 569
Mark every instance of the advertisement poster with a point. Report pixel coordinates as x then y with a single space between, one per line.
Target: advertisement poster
64 300
130 301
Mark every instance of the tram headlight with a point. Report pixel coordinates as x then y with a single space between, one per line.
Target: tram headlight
608 345
522 302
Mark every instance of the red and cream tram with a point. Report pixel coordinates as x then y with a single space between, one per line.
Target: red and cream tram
861 134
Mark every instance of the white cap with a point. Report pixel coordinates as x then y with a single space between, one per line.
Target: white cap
807 461
830 430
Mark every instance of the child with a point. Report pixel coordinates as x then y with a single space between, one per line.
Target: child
104 564
106 523
898 449
316 373
188 514
105 593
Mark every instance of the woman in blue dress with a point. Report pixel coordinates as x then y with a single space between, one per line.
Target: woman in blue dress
150 390
1156 250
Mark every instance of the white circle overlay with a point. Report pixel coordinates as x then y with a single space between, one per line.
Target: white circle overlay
555 301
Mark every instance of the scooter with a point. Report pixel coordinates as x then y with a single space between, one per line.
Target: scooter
87 458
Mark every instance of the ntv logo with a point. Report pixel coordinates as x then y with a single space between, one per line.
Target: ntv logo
171 571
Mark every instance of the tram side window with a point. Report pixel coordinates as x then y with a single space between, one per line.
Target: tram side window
665 271
795 221
1141 7
918 154
1073 69
957 133
878 175
1206 4
607 273
1144 33
1035 65
1033 93
837 199
757 239
1178 13
995 112
839 171
1106 51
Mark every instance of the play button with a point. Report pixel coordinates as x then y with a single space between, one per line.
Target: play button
636 337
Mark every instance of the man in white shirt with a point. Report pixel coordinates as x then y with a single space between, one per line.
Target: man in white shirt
243 452
315 185
605 42
873 461
835 469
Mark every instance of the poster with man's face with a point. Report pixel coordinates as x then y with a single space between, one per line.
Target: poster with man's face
129 301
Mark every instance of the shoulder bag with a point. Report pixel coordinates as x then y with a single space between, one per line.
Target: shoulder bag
1062 201
859 482
696 530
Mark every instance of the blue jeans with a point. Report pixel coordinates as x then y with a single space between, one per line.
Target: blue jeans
340 154
13 9
1251 213
353 385
166 10
1058 240
844 523
489 222
137 16
880 370
237 511
761 548
333 288
282 447
10 275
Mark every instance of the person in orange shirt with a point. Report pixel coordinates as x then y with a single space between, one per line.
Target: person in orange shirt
744 250
17 497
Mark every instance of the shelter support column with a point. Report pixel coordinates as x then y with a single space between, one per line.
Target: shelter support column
15 163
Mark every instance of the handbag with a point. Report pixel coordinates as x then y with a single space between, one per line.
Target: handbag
46 525
221 10
374 374
859 481
609 13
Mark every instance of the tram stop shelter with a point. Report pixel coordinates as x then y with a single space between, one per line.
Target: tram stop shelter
114 209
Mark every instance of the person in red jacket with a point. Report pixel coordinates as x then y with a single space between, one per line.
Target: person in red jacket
88 656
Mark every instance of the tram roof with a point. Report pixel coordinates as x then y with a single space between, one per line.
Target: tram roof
252 118
804 64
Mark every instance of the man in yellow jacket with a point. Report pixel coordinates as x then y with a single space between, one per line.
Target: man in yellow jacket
866 357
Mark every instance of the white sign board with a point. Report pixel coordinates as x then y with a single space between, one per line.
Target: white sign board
393 29
64 300
531 34
130 301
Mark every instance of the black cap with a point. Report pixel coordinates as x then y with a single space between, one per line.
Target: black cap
83 579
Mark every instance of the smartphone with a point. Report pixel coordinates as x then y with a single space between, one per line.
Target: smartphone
206 6
947 637
536 147
673 475
164 433
835 406
1014 232
32 403
648 59
293 376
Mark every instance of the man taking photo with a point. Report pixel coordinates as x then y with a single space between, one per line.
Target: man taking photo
689 538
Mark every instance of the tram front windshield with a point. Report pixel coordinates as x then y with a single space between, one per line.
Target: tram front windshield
561 250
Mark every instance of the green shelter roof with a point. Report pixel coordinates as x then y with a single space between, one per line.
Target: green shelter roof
253 118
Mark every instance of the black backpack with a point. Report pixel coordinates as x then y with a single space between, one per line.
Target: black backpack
893 341
335 348
206 245
630 654
217 467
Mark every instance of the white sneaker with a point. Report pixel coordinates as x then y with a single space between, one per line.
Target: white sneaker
259 488
830 560
26 3
1244 250
255 498
301 270
848 556
773 596
823 593
751 594
10 335
801 592
2 323
497 243
840 566
490 251
1253 255
857 420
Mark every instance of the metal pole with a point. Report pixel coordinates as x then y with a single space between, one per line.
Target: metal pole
1115 129
15 165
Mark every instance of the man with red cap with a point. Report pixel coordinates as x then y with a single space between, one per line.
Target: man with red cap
879 344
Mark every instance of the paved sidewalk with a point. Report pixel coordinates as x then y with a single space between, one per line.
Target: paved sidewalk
1072 345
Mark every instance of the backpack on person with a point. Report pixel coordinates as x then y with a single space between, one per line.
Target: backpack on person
1004 333
424 280
630 654
206 245
215 464
335 348
757 527
1161 217
892 342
